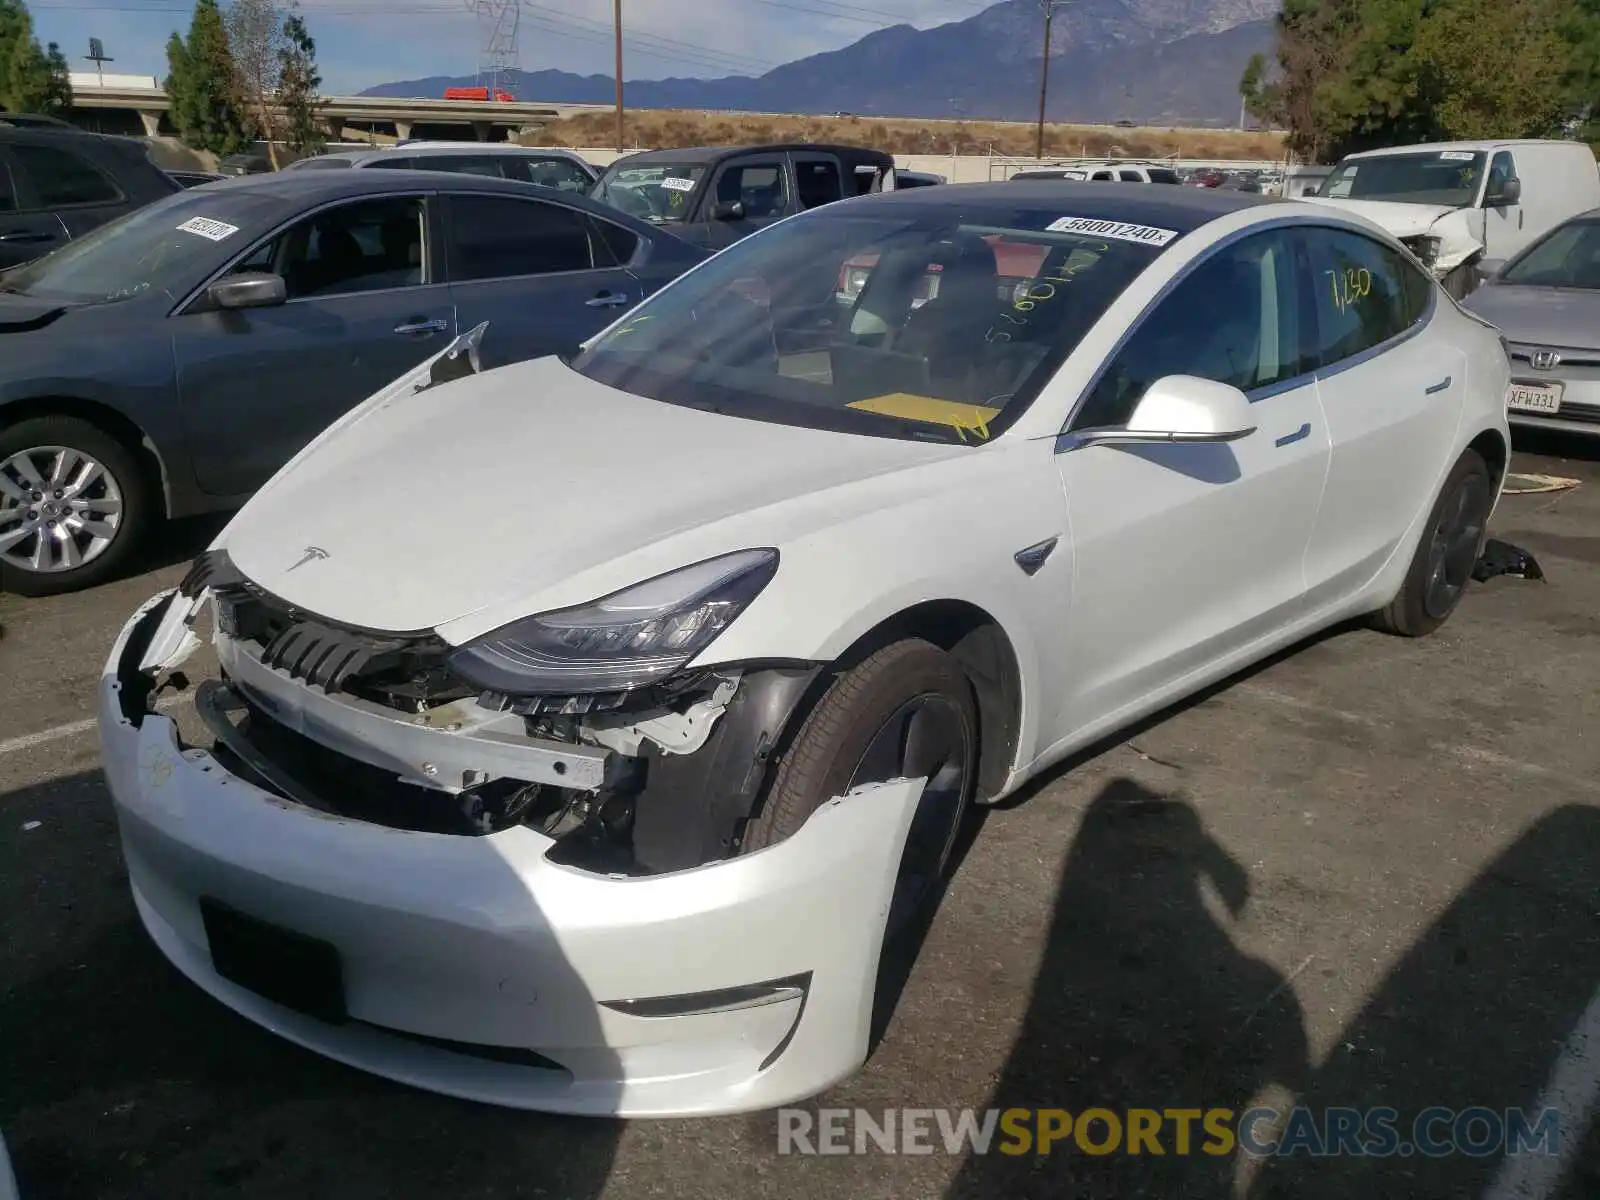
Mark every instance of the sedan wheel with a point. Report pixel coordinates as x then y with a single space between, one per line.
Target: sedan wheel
70 499
905 712
1453 549
1437 577
929 737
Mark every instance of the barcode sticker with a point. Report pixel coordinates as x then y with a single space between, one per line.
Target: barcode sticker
674 184
1121 231
207 228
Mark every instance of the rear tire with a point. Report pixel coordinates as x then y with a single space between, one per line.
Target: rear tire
117 502
907 710
1450 545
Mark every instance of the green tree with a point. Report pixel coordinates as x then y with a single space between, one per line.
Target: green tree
1355 74
298 84
32 79
202 86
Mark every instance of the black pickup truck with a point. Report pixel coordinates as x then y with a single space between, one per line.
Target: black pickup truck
715 195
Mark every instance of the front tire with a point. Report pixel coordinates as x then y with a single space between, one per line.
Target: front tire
1451 542
73 505
906 711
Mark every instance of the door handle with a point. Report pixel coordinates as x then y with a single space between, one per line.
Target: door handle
607 300
1299 435
27 237
438 325
1438 387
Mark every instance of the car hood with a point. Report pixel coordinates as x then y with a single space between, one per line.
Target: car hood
1540 316
532 483
1400 219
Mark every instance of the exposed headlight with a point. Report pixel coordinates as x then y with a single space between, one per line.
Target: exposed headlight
627 640
1425 248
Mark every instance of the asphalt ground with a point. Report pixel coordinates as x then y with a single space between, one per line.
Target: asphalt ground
1366 873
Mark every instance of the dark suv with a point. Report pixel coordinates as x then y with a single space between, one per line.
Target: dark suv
58 184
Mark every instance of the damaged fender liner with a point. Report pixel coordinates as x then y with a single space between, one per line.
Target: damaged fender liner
691 806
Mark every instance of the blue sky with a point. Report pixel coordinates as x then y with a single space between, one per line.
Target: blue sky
363 42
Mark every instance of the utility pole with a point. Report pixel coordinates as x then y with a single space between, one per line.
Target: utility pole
616 20
1049 7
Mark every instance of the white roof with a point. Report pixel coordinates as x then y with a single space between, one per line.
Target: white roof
1485 146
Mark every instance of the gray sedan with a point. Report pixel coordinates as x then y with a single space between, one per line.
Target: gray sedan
1546 301
172 361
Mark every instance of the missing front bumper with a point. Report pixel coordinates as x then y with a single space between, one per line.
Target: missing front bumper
463 957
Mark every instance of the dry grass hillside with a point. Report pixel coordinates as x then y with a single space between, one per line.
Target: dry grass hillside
663 128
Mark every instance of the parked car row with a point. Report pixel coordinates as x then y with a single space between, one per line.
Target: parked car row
289 298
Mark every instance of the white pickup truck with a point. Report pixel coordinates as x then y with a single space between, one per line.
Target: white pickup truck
1462 207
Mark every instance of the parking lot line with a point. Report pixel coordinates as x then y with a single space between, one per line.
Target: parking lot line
1573 1090
29 741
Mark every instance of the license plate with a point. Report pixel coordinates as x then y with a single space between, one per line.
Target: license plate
288 968
1534 397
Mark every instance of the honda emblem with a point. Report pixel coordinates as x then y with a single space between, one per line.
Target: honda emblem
1545 360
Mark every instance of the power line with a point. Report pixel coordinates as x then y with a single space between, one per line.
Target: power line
553 21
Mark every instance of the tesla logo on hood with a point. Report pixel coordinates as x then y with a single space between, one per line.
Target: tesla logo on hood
1545 360
311 555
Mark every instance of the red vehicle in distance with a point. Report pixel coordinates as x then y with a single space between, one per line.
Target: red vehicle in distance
479 93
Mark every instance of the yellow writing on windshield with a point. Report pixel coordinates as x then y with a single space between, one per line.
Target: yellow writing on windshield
963 418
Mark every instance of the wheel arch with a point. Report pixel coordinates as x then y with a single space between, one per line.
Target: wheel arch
983 648
107 419
1491 445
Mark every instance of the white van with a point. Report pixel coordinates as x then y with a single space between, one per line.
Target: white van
1463 207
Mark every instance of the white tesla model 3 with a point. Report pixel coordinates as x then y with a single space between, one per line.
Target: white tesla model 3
585 726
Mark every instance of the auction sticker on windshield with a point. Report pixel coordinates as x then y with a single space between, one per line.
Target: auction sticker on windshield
1457 155
673 184
1144 235
208 228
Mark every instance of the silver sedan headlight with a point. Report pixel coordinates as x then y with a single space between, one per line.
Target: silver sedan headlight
627 640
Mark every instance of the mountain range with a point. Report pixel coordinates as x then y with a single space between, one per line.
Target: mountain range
1158 62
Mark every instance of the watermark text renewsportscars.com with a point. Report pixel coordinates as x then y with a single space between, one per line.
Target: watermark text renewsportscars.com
1439 1132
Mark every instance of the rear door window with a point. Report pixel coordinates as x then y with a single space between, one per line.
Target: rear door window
614 246
759 186
818 182
62 178
1130 177
1363 294
499 237
1164 175
8 193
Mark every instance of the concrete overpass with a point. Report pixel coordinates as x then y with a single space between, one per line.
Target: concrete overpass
119 107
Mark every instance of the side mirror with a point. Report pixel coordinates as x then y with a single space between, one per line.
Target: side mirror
728 210
1181 408
253 289
1509 192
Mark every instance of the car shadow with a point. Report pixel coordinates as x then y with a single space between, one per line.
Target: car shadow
1496 1007
123 1079
1142 1001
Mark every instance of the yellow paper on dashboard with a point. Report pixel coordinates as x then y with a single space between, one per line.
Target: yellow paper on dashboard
960 417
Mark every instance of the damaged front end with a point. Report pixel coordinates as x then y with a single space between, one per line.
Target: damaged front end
384 728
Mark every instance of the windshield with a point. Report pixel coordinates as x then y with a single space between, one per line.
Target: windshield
165 247
906 322
653 193
1567 257
1438 177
